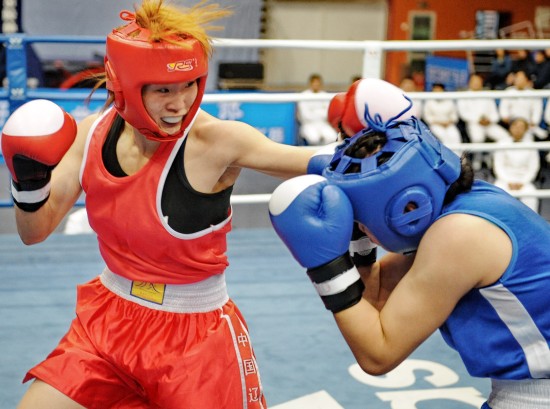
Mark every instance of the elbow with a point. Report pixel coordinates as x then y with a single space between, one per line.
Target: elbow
29 239
31 229
376 367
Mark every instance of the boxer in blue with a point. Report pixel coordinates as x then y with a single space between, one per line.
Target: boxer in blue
462 256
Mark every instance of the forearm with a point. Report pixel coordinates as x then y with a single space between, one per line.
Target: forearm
382 277
368 342
35 227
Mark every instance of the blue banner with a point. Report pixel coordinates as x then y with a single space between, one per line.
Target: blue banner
275 120
451 72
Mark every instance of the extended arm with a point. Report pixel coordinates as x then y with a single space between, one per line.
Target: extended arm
242 146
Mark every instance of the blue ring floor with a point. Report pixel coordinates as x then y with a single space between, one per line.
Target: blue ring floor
304 361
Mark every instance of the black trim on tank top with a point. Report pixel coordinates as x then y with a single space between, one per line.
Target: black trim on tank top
188 211
108 151
201 210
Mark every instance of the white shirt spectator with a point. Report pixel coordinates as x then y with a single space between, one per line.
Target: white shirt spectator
529 108
516 170
312 116
441 116
481 115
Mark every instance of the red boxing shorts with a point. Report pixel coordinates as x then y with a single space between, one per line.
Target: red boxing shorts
136 345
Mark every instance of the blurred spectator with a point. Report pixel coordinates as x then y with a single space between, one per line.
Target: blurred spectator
501 66
481 118
529 108
542 70
545 155
509 80
522 60
515 170
419 78
408 85
312 116
441 116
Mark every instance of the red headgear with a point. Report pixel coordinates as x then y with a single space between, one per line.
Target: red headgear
132 61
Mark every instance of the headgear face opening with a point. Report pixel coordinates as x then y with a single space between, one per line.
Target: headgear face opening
420 171
133 61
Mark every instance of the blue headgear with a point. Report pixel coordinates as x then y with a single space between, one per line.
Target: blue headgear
420 170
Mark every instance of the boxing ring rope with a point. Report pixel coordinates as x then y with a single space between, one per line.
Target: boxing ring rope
17 92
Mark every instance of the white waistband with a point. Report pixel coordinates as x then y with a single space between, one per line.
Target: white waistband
203 296
524 394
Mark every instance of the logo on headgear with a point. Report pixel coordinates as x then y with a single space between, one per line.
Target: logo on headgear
185 65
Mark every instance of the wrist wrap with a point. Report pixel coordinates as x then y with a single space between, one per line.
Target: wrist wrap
338 283
361 248
32 189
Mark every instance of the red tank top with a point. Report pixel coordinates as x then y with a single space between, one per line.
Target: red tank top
134 239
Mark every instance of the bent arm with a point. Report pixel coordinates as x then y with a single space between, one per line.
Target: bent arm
445 268
65 190
378 286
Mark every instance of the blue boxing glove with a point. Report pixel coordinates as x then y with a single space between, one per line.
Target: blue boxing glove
315 221
321 159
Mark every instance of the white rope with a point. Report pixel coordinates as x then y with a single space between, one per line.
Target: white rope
387 45
264 198
542 93
250 199
462 147
541 194
486 147
498 146
273 97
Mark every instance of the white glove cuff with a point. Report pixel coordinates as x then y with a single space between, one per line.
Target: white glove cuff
32 196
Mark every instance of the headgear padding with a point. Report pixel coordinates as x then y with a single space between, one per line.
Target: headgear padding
420 171
384 101
132 61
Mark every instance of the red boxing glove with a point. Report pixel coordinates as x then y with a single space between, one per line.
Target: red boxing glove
336 109
34 139
384 101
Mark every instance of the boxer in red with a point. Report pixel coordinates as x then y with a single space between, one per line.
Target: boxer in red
156 329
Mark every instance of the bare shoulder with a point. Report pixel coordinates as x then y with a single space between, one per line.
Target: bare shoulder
219 137
77 149
207 125
465 244
241 145
459 228
85 125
